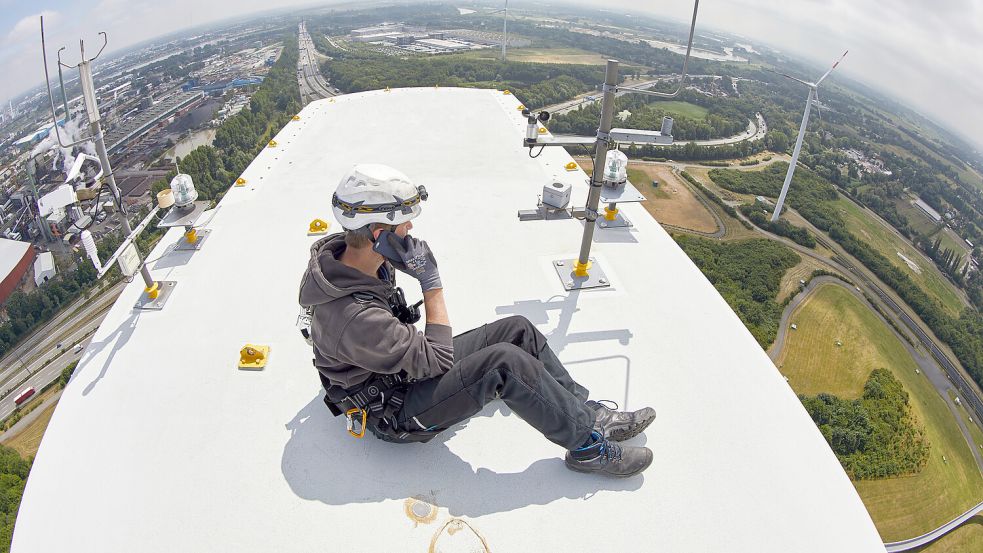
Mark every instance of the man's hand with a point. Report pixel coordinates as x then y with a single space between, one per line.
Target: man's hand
411 256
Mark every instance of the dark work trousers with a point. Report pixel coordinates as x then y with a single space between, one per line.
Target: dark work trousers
509 359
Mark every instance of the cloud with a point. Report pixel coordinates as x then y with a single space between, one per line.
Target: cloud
28 27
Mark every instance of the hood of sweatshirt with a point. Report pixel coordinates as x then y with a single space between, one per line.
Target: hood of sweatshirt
327 279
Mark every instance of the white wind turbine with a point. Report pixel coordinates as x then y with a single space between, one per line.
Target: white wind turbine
813 97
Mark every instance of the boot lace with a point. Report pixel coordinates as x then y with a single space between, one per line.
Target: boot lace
609 452
610 404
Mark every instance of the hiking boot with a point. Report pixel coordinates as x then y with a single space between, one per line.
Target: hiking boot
617 425
604 457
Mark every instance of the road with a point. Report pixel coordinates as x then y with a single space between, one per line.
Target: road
48 360
756 130
927 538
926 364
43 342
313 86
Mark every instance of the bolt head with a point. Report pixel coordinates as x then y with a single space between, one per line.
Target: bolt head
602 280
569 284
559 263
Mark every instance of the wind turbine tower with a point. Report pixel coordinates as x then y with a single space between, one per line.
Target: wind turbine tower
505 28
813 97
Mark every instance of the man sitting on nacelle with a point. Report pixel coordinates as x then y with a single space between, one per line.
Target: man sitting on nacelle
407 386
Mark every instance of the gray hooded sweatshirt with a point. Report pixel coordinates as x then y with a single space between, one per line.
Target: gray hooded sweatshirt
354 330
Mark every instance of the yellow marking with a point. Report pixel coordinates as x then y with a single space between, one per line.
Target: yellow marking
318 226
240 181
253 356
581 270
153 290
571 166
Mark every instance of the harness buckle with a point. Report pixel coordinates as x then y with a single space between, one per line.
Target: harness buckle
355 426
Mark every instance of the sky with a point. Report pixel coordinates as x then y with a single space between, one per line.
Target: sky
927 54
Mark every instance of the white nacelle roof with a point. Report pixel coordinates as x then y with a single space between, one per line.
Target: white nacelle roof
161 444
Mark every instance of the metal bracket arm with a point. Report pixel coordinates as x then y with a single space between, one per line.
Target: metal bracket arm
126 242
632 136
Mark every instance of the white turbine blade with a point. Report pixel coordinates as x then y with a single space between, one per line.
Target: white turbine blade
832 68
788 77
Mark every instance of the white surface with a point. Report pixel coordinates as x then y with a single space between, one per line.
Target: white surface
57 198
11 252
161 444
44 266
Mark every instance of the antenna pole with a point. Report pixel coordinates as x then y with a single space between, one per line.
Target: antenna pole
600 156
95 129
795 157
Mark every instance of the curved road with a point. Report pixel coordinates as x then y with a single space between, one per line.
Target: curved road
927 538
926 364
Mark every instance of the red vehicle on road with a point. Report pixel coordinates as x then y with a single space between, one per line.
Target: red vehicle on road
24 395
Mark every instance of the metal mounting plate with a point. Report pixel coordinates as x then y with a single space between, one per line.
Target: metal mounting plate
156 304
184 245
620 221
183 217
595 275
626 193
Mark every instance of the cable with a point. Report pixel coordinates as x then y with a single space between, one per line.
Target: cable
541 148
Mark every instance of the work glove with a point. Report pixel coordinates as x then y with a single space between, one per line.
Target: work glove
410 256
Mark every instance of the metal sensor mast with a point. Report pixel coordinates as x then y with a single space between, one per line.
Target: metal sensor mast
576 274
155 292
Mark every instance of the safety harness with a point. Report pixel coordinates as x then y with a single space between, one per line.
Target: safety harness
373 405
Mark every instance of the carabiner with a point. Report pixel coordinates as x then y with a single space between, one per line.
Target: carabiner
352 422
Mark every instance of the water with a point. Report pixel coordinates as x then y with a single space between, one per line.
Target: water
697 53
198 138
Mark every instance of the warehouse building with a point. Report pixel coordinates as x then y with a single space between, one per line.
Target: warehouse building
15 259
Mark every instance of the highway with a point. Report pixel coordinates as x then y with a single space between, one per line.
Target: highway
313 86
40 358
756 130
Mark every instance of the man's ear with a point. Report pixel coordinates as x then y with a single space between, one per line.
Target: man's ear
376 233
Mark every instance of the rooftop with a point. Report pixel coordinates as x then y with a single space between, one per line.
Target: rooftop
11 254
159 443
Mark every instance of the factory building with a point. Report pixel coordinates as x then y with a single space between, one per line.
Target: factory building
15 259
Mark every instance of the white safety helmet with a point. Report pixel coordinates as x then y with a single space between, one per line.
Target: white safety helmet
374 193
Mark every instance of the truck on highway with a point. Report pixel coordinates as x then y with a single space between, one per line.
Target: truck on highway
25 394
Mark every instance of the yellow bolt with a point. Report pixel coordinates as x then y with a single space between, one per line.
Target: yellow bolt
542 130
296 118
570 166
153 290
610 214
240 181
581 269
191 236
272 144
506 92
520 107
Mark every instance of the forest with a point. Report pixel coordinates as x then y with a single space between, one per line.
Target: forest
747 274
874 436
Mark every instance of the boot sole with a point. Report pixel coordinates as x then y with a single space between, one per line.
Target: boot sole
621 435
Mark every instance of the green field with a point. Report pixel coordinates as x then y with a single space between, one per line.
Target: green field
921 222
901 507
681 109
862 224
